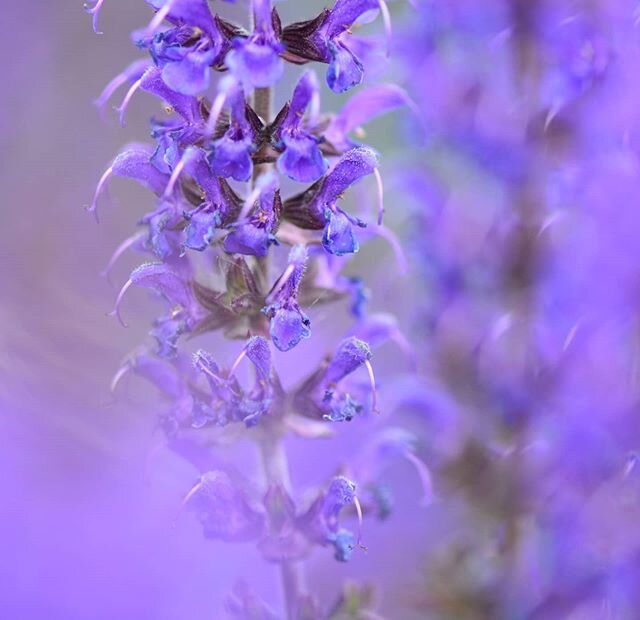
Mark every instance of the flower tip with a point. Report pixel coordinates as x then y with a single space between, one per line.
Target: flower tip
94 11
122 371
116 310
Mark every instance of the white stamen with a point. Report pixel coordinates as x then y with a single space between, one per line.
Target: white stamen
101 183
122 371
425 477
235 365
248 203
380 185
158 18
109 90
554 110
177 171
214 113
358 506
390 237
120 250
116 311
386 19
571 335
192 492
372 380
314 109
277 287
127 100
95 12
114 85
405 346
209 373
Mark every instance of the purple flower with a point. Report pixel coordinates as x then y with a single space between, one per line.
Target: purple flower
301 159
231 154
185 54
317 207
256 234
255 61
283 540
168 377
326 39
328 392
133 162
361 108
179 12
229 402
223 509
321 523
288 323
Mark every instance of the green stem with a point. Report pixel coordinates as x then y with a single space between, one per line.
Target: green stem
274 457
276 468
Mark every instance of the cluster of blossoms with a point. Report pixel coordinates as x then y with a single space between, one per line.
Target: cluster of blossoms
526 214
249 261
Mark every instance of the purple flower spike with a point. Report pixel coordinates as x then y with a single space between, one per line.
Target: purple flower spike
301 160
223 510
255 235
231 155
256 61
288 323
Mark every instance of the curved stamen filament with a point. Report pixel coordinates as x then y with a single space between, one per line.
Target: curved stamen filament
380 185
282 280
158 18
386 19
116 311
425 477
101 184
372 380
405 346
194 489
358 506
120 250
177 171
214 113
122 371
390 237
134 70
248 203
235 365
94 11
127 100
209 372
